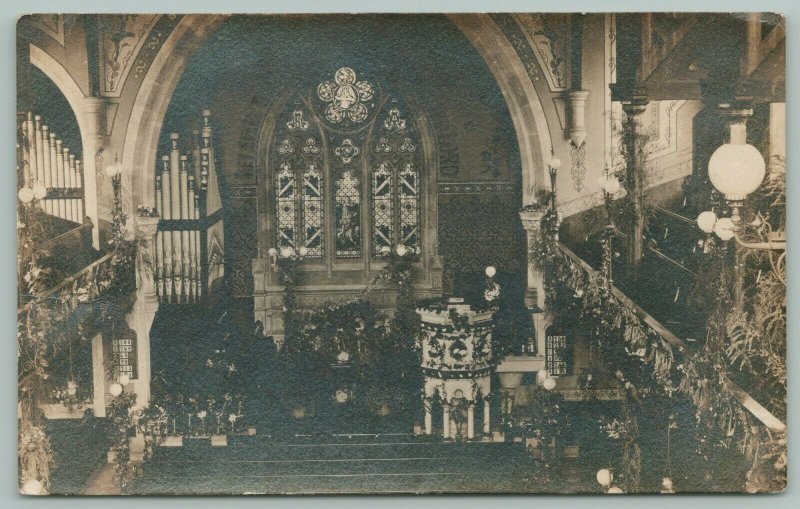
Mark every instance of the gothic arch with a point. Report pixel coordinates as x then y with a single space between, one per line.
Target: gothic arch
140 150
63 80
152 100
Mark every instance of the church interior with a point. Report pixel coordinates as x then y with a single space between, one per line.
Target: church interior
439 253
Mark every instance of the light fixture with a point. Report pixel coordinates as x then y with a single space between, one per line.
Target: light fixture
287 252
32 487
124 379
401 250
112 170
490 271
724 228
39 191
706 221
604 477
552 166
736 170
549 384
115 390
302 251
25 195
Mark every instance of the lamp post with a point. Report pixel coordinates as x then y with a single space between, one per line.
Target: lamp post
737 170
553 166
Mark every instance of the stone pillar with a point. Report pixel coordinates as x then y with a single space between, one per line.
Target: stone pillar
635 159
428 418
486 416
98 377
535 288
446 420
471 420
140 318
93 139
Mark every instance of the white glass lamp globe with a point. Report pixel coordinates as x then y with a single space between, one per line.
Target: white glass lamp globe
112 170
303 251
286 252
32 487
115 390
612 185
490 271
25 195
272 252
72 388
554 163
124 379
604 477
706 221
39 191
385 250
736 170
401 250
549 384
724 228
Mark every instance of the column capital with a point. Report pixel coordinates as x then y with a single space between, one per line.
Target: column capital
532 218
147 226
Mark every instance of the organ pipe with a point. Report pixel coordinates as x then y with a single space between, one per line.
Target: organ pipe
182 189
48 161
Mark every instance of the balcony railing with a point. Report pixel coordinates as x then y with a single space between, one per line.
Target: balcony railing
747 401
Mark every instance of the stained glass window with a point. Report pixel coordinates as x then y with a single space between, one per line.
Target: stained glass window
395 181
312 210
364 146
382 207
348 216
299 199
286 197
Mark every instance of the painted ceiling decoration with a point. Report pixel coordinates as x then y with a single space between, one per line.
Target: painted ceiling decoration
123 35
346 97
548 36
50 24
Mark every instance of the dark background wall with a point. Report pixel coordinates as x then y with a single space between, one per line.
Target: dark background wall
249 61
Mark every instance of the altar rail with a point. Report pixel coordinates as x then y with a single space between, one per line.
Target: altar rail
747 401
43 158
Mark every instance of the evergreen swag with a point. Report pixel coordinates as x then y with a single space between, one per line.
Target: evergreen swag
652 369
353 326
53 324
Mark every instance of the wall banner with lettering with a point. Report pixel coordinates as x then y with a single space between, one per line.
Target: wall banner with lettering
558 354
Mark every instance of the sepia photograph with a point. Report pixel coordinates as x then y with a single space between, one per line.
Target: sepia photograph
453 253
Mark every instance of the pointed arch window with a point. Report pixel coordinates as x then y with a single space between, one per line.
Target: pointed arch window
345 161
299 183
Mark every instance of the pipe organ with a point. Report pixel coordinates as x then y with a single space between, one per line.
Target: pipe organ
189 242
45 160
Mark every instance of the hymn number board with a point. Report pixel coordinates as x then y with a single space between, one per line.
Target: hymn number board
557 354
123 352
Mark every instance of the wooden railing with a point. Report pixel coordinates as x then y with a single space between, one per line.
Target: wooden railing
747 401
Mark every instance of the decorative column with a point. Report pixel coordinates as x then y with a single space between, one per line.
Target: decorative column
140 318
535 289
471 420
428 418
486 416
93 139
635 159
446 419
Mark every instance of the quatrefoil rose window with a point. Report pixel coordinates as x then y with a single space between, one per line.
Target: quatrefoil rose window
346 97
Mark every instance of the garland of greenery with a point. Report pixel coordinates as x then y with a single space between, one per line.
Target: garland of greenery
660 370
51 325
